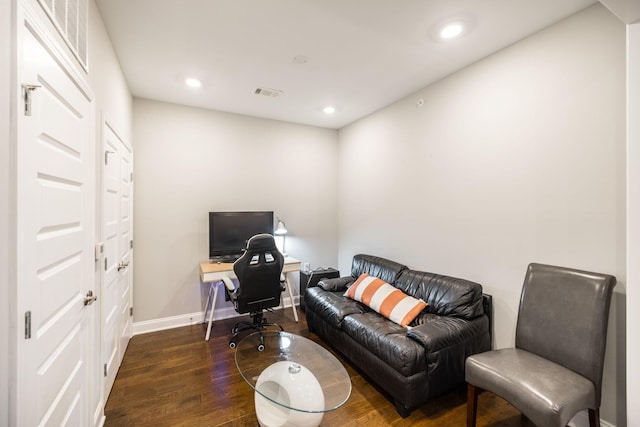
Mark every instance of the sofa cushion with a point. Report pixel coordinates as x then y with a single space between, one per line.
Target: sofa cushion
387 341
439 332
385 269
332 307
446 296
385 299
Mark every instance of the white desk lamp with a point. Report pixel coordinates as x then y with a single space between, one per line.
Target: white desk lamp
281 230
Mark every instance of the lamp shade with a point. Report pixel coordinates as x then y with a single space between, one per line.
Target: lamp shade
281 228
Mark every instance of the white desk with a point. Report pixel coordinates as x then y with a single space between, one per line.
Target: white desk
213 272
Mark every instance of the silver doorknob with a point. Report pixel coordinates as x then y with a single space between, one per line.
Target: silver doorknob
90 298
123 265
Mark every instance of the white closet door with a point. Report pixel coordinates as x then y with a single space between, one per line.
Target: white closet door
55 226
110 263
126 245
117 235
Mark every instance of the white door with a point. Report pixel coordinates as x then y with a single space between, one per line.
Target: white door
55 229
117 226
111 261
126 245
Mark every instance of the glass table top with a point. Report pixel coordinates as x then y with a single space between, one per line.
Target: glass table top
293 371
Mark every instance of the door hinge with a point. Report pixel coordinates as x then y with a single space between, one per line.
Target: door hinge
105 369
106 156
26 93
105 264
131 179
131 244
130 311
27 325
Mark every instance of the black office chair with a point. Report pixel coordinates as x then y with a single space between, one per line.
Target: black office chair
259 285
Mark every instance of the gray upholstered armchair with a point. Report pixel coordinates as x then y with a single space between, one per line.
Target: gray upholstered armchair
555 369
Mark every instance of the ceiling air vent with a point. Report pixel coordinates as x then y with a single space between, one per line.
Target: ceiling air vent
271 93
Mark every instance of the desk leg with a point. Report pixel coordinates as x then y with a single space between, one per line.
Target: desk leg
293 304
204 315
213 306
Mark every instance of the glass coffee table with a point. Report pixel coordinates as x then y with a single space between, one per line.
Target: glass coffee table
295 380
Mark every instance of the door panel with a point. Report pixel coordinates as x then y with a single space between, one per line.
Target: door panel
111 233
55 225
117 225
126 225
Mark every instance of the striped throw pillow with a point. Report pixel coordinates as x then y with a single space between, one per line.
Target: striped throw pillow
387 300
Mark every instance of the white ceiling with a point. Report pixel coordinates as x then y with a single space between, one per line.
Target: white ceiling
362 54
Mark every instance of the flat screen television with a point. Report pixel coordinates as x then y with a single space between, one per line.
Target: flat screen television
229 232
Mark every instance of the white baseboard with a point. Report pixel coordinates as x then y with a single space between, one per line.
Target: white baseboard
189 319
582 420
163 323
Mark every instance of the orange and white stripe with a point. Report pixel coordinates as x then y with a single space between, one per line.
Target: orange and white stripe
384 298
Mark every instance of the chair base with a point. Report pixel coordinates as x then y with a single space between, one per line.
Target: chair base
472 408
258 323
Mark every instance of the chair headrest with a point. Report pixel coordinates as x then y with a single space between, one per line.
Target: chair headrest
261 242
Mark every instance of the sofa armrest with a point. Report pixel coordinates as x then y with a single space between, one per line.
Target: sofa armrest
443 332
448 341
339 284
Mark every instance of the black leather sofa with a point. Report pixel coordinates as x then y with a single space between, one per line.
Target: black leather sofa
411 364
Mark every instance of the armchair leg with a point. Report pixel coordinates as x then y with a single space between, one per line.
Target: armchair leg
594 417
472 404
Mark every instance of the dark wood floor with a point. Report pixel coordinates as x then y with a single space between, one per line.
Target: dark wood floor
175 378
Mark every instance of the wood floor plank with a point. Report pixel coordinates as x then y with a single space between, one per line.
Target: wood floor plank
175 378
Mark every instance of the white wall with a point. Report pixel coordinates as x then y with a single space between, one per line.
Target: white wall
112 94
190 161
6 38
518 158
633 218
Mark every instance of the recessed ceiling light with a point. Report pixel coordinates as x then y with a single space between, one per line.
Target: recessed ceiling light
329 110
300 59
192 82
451 31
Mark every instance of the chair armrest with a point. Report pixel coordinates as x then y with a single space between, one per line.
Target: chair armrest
339 284
229 290
228 283
443 332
